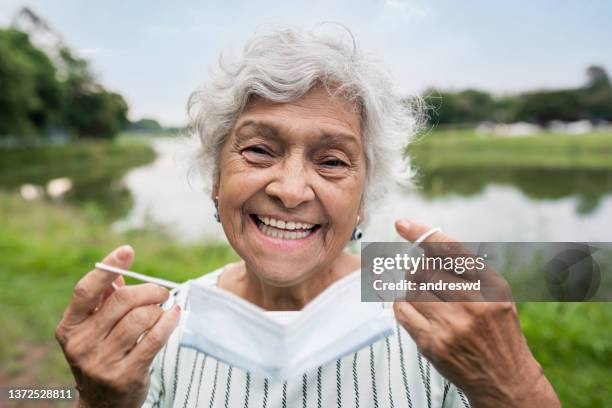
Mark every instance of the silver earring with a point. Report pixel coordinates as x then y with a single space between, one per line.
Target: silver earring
216 215
357 234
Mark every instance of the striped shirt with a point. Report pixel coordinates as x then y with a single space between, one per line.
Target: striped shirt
390 373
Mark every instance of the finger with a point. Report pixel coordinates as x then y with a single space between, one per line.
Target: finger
437 244
411 231
123 300
411 319
154 340
119 282
89 291
434 310
422 296
445 286
124 335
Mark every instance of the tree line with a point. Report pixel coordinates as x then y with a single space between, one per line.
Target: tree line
592 101
44 97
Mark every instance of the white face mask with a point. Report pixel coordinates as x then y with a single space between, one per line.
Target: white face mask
282 345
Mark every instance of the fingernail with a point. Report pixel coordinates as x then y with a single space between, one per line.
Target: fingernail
124 252
404 224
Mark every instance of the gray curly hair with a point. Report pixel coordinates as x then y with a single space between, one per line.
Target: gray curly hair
284 64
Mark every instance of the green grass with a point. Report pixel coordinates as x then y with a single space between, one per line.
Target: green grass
572 342
465 149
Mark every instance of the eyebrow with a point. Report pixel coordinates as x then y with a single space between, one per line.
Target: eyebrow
261 128
337 140
328 139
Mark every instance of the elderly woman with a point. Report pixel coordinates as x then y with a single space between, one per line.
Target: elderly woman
301 133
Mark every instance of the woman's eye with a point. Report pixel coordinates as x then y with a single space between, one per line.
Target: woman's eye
257 150
334 163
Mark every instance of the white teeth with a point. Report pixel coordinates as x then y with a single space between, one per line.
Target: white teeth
284 234
286 225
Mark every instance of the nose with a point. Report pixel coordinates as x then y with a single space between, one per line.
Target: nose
291 186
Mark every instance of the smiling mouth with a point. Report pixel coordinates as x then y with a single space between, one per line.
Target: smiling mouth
276 228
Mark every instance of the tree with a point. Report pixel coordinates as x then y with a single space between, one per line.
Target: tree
30 95
145 124
90 111
542 107
597 78
468 106
49 86
596 95
95 113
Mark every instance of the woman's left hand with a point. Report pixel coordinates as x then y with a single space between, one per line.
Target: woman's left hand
478 346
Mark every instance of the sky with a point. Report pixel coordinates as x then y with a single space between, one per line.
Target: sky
155 53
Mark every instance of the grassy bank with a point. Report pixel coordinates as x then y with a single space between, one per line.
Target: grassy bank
572 343
95 169
86 159
459 149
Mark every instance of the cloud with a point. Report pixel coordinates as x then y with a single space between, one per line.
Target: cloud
94 51
406 8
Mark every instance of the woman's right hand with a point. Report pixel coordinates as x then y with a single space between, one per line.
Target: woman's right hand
100 330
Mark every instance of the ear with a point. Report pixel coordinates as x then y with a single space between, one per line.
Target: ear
361 215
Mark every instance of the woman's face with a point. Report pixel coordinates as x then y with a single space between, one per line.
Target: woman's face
291 181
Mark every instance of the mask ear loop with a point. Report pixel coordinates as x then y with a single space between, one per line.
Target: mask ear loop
426 235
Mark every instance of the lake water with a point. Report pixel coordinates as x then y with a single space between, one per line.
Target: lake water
470 205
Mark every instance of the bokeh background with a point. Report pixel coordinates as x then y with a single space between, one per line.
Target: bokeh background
518 147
